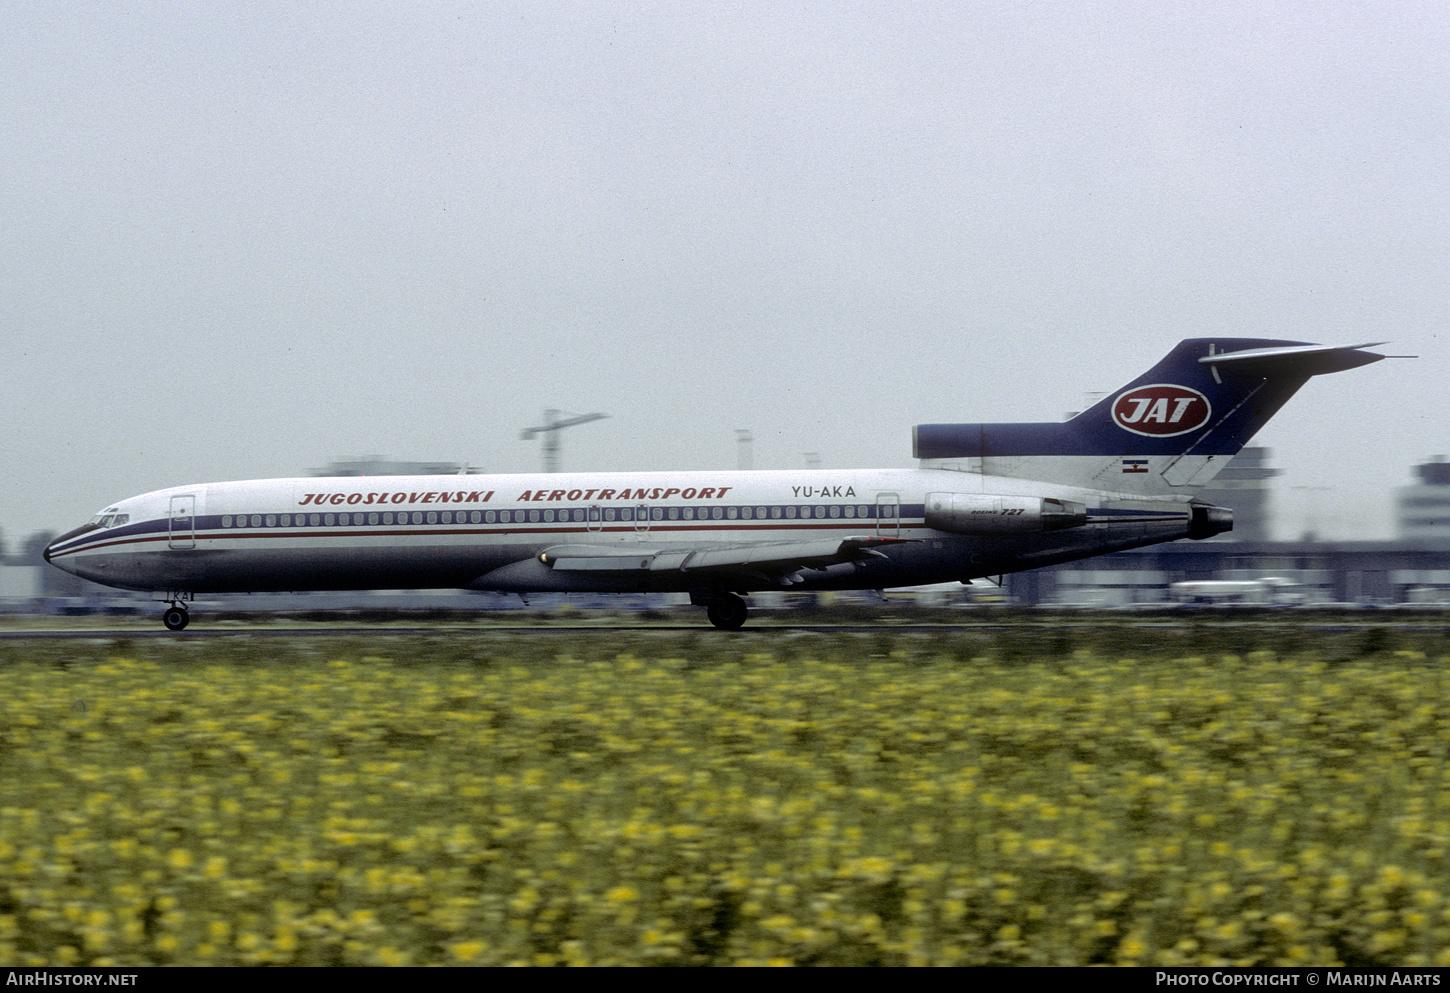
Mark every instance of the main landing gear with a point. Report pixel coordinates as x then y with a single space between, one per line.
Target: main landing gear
726 611
177 616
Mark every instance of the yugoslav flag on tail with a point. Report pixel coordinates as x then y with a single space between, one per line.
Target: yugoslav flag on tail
1168 431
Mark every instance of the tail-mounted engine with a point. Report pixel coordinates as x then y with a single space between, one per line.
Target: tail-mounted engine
977 513
1208 520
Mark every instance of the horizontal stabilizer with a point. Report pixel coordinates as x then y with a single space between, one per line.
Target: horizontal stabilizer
1309 360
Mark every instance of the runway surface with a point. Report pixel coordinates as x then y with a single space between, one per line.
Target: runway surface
1427 624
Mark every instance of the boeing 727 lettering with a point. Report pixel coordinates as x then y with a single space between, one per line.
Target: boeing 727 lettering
987 499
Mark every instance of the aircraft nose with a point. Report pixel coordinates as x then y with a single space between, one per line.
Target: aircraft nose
66 563
63 564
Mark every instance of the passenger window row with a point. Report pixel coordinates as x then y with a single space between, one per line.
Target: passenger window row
577 515
350 520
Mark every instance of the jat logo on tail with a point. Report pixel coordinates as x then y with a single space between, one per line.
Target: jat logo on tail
1161 410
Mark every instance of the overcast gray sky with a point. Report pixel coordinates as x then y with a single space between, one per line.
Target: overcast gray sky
244 240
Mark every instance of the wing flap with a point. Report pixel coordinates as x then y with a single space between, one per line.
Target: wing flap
756 557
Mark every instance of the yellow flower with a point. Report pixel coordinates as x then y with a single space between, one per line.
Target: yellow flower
467 951
1131 948
1285 922
390 956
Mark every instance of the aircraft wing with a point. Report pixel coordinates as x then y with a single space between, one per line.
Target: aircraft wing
784 562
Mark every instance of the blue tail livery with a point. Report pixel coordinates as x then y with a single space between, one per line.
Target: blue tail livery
1168 431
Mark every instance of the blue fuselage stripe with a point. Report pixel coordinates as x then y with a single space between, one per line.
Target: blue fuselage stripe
208 528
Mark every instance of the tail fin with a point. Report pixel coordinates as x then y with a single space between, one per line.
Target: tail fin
1168 431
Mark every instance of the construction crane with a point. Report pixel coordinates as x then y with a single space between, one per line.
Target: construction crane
550 430
744 438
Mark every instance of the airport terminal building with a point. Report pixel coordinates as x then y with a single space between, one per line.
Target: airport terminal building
1414 568
1355 572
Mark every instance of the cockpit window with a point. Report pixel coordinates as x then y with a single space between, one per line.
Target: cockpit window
110 520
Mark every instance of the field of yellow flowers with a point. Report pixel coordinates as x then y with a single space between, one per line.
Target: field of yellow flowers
638 798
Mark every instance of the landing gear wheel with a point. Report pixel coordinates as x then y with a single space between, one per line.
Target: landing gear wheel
727 612
176 618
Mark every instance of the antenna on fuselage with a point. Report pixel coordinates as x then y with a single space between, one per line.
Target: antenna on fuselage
550 430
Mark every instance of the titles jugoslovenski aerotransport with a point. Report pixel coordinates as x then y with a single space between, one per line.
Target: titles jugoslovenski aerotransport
986 499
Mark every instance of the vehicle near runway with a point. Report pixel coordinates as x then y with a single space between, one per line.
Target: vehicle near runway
1268 590
987 499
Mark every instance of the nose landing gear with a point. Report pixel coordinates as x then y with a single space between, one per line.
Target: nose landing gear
177 616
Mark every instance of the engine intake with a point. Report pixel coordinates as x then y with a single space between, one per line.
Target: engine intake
976 513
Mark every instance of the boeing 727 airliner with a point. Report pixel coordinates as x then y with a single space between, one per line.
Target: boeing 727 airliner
987 499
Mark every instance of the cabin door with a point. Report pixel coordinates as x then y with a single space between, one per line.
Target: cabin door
183 521
888 514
